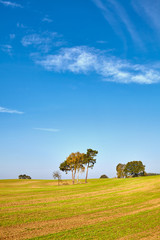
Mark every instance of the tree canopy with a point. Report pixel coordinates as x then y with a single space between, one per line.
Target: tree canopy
73 163
24 176
104 176
120 170
90 160
134 169
76 163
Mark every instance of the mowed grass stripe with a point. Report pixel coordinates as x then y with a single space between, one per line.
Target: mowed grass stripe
114 229
30 213
76 207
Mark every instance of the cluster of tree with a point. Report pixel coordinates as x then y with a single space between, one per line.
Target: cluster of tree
24 176
131 169
78 162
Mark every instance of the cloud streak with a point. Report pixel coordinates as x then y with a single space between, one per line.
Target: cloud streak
82 59
127 22
115 14
47 19
6 48
47 129
6 110
11 4
109 16
43 42
149 10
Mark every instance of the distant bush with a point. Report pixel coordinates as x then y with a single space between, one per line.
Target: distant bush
153 174
103 176
24 176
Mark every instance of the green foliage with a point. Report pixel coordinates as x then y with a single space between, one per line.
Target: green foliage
134 169
103 176
76 163
90 160
24 176
65 167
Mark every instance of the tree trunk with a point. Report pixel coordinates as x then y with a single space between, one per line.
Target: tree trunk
74 174
72 177
78 176
86 174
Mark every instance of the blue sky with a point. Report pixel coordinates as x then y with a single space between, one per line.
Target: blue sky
77 75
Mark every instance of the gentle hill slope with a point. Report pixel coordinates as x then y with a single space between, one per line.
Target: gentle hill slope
101 209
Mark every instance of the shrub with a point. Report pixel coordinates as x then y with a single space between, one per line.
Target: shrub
24 176
103 176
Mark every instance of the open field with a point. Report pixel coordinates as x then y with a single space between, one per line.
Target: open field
101 209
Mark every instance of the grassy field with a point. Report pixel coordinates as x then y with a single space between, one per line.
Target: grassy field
101 209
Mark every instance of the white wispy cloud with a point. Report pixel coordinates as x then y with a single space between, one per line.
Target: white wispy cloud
6 110
121 12
115 13
44 41
82 59
76 59
109 16
149 10
47 129
11 4
47 19
6 48
33 39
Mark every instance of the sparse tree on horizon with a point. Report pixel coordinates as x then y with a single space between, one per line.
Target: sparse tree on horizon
24 176
73 163
57 175
89 160
76 163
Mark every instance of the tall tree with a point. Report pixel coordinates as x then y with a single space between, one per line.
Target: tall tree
89 160
79 164
134 169
64 167
73 163
120 170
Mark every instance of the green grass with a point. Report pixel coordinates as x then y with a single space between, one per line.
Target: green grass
101 209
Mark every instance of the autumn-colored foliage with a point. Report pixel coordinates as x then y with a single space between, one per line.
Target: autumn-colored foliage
120 170
76 163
